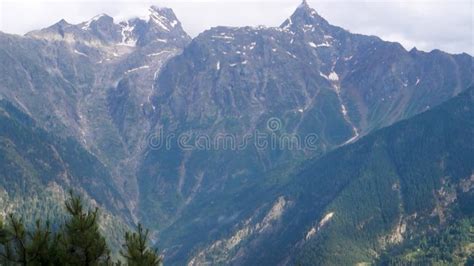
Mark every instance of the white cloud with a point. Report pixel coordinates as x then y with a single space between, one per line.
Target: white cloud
427 24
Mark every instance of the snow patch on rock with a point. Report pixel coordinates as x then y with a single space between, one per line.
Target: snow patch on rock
333 76
80 53
325 44
127 34
87 25
136 69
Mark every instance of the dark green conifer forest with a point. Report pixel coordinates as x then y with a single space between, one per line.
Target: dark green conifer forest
78 241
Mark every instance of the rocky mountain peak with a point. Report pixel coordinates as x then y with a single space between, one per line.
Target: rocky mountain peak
55 31
162 26
163 18
304 5
303 16
62 22
103 27
99 20
59 26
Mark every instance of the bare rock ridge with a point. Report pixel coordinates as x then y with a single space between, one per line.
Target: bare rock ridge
161 25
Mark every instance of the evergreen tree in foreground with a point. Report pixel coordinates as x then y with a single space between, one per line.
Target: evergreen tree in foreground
136 250
19 247
79 242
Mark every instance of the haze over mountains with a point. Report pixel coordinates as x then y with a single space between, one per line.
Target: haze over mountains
80 103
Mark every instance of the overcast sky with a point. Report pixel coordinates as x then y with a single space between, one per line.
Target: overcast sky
443 24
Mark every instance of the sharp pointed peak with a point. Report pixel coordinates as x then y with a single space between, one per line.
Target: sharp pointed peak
303 15
304 7
304 4
62 22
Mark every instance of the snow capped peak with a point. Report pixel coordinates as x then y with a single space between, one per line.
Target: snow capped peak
163 17
159 26
99 18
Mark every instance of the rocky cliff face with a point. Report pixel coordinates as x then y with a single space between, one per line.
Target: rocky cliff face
93 81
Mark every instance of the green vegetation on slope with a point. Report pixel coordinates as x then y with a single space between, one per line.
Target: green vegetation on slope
454 245
36 168
78 241
31 158
404 182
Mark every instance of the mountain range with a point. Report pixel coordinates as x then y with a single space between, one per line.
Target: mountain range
393 186
83 105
